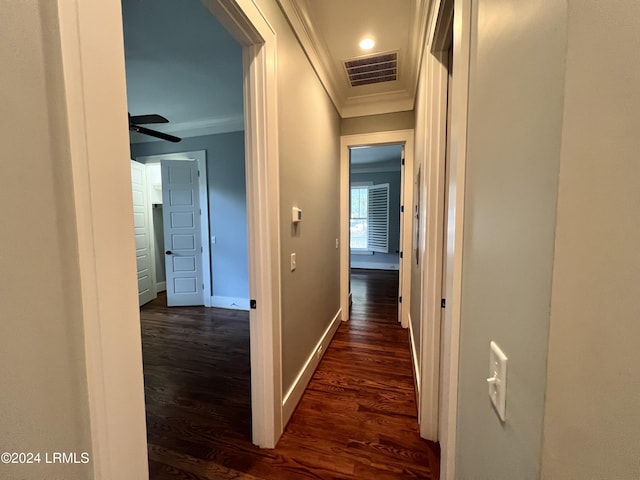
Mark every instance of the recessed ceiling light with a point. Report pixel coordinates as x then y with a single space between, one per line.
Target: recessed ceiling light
367 43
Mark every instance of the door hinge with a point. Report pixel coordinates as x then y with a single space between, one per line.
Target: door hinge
200 211
252 304
401 208
443 303
400 299
403 161
401 255
198 172
201 250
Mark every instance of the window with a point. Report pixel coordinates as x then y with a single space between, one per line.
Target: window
370 218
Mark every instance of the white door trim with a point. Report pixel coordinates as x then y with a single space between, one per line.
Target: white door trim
246 22
93 83
440 341
199 156
396 137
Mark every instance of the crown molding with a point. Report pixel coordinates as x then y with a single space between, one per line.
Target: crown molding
331 78
313 47
378 103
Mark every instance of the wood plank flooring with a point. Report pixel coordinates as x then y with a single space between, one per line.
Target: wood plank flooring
357 419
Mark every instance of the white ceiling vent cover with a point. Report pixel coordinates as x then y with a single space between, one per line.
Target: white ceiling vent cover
382 67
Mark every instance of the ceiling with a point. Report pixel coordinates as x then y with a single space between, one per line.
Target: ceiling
376 158
182 63
330 32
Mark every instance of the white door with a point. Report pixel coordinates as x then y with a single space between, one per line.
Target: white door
182 241
142 227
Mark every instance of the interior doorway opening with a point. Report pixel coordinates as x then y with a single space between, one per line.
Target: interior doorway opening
363 145
375 183
199 199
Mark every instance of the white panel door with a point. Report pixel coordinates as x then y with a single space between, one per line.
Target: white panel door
182 240
142 227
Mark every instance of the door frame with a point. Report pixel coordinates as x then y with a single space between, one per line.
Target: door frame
395 137
199 156
93 84
440 342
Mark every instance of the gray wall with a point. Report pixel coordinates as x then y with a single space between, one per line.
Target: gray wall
592 419
44 399
514 130
383 260
377 123
309 144
227 205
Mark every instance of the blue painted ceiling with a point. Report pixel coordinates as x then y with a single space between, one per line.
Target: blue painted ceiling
376 156
181 63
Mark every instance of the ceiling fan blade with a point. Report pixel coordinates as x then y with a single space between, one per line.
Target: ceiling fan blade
154 133
145 119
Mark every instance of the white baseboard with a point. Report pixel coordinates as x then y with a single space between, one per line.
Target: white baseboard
232 303
414 358
374 266
294 394
162 286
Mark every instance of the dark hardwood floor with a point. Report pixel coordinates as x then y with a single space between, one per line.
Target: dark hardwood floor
357 419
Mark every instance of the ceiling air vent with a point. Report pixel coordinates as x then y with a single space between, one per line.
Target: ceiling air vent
375 69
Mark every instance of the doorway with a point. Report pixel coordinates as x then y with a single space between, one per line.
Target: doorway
402 139
167 261
375 180
91 43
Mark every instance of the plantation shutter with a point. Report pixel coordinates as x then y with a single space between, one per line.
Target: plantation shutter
378 218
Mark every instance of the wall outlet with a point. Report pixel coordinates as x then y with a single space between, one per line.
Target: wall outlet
337 242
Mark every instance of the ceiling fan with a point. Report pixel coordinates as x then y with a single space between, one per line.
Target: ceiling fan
136 120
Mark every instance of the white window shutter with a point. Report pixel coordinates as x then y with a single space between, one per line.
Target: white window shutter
378 218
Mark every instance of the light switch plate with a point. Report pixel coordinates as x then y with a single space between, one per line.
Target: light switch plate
497 379
293 262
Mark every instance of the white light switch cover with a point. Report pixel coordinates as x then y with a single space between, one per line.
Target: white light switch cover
497 379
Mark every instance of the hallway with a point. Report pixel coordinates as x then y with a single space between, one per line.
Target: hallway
357 419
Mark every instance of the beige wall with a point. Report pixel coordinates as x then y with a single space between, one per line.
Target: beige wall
309 179
377 123
43 399
516 88
592 417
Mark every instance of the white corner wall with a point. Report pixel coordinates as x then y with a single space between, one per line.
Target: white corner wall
592 417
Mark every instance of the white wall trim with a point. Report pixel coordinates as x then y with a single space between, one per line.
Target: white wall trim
293 396
248 25
414 360
161 286
440 340
314 49
94 83
397 137
232 303
199 156
373 265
